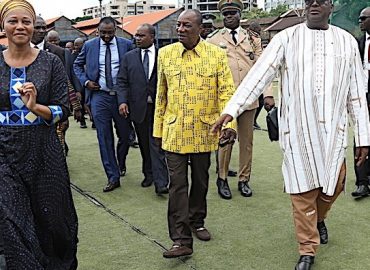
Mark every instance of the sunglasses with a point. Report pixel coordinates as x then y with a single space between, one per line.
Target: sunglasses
229 12
363 18
319 2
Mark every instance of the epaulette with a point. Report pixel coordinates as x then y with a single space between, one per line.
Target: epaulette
213 33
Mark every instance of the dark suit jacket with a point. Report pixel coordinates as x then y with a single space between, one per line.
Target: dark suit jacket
70 58
86 65
58 51
361 46
134 87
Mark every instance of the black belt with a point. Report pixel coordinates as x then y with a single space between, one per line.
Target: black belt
109 92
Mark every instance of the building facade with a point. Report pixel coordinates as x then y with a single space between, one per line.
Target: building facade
122 8
210 6
292 4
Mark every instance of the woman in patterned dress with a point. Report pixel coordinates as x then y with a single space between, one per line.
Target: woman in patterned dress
38 221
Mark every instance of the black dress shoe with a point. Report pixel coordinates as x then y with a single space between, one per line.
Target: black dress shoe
223 189
134 144
323 231
305 262
232 173
122 172
244 189
111 186
161 190
146 182
83 124
256 126
361 191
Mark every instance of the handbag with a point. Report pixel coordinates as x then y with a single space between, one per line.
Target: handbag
273 124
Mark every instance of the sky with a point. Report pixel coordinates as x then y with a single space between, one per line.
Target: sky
73 8
70 8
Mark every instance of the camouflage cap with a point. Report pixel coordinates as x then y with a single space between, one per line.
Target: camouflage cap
208 18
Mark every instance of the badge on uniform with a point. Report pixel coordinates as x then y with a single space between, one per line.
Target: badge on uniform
251 55
222 45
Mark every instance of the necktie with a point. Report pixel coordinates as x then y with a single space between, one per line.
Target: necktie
108 68
146 63
233 33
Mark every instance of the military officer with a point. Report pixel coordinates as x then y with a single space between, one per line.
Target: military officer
207 25
243 50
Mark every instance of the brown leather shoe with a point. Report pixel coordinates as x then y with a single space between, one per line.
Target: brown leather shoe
111 186
177 250
202 234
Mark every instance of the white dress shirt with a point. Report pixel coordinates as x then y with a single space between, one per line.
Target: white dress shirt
237 30
151 54
322 83
40 46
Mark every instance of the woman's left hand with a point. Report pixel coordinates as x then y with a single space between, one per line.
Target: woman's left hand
28 94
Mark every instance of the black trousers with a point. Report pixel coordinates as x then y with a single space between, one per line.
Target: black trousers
361 172
187 210
154 164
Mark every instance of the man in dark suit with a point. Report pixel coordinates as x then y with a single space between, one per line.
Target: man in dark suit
39 42
77 46
137 84
97 67
362 172
38 39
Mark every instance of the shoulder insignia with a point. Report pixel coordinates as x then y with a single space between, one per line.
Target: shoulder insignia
213 33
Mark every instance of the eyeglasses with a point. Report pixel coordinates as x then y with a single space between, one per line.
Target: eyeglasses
319 2
40 27
229 12
363 18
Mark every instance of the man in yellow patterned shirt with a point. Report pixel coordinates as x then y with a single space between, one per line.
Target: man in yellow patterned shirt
194 84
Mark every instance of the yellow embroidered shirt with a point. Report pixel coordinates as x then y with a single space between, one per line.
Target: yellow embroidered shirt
193 88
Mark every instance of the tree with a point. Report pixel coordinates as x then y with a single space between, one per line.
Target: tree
346 14
80 19
256 13
280 9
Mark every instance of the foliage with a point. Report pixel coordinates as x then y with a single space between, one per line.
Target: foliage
346 14
255 13
80 19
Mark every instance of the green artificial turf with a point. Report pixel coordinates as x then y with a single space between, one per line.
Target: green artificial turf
128 229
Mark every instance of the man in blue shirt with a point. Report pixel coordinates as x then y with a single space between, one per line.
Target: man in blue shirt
97 67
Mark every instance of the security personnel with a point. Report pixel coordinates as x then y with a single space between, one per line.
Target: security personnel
207 25
243 50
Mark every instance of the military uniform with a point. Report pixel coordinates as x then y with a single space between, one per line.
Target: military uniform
241 55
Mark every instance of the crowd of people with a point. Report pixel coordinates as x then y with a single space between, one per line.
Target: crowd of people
183 101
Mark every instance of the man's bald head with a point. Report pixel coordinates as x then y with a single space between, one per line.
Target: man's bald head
364 20
53 37
78 43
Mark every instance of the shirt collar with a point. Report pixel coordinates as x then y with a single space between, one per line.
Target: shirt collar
112 42
198 49
237 30
367 36
40 45
150 49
